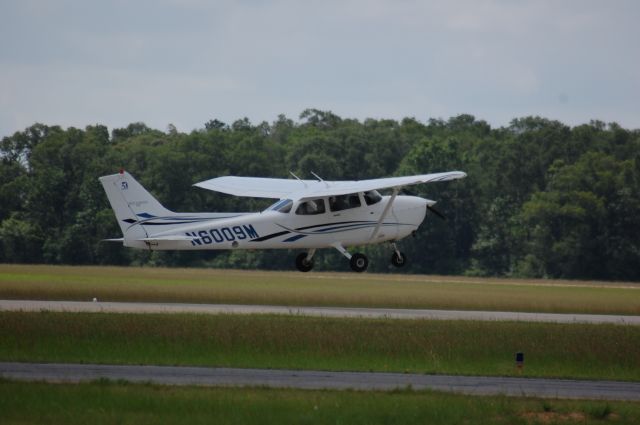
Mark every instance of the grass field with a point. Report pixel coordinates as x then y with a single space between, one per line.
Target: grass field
457 347
295 342
116 403
317 289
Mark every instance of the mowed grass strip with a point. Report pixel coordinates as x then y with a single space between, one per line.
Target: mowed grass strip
315 289
296 342
121 403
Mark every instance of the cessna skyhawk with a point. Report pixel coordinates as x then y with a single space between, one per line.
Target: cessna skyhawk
308 214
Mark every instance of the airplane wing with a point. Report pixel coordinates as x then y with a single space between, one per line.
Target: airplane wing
256 187
260 187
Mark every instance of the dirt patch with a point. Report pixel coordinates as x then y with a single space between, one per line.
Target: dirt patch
553 417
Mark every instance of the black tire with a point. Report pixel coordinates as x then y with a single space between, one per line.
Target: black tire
359 262
302 264
398 261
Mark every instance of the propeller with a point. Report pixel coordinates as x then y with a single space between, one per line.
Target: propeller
436 212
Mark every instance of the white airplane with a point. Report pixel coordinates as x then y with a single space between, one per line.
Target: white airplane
309 214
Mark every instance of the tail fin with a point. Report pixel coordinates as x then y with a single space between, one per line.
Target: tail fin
131 202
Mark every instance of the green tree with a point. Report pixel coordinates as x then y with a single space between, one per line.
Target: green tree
20 241
585 225
442 246
541 198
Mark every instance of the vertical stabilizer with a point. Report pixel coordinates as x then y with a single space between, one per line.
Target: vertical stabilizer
131 203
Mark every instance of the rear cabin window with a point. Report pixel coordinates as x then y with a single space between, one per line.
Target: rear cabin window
344 202
311 207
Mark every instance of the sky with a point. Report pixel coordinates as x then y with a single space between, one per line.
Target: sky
185 62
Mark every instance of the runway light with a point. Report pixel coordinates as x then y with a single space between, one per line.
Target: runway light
520 360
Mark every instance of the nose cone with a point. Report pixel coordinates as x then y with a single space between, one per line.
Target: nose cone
417 202
410 209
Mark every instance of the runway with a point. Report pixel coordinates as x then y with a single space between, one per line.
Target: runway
389 313
206 376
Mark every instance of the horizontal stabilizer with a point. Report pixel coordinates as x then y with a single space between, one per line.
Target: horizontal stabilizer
155 239
167 238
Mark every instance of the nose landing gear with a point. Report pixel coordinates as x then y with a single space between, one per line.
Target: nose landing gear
398 258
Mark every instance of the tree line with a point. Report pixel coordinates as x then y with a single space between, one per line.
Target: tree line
542 199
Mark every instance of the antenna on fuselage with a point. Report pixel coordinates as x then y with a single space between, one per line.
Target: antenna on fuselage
320 179
298 178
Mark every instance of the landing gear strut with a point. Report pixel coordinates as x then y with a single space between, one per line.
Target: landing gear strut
398 258
304 261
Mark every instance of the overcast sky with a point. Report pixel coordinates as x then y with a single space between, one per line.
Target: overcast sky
184 62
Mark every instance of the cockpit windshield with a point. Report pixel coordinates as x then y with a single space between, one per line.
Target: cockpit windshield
283 206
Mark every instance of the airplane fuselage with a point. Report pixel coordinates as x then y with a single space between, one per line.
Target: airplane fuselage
294 228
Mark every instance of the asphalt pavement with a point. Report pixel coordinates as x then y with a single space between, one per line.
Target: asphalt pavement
391 313
305 379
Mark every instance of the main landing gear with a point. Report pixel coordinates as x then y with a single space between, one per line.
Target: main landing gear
304 261
358 261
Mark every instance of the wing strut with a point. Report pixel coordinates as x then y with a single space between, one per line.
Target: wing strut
386 210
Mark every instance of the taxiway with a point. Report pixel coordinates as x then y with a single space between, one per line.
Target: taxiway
305 379
389 313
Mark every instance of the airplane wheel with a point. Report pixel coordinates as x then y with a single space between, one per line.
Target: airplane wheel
359 262
302 263
398 260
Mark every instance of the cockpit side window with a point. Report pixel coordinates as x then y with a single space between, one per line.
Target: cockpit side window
344 202
311 207
372 197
